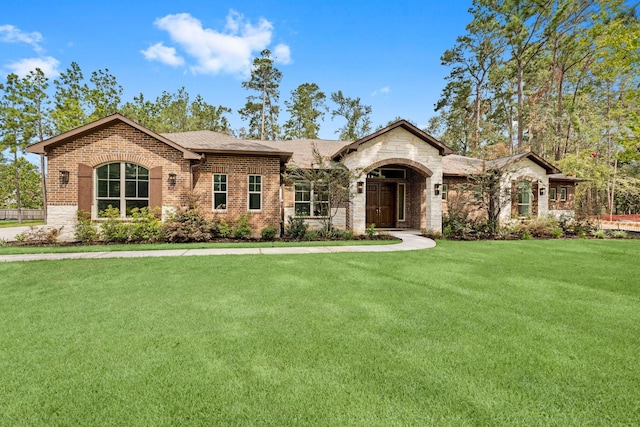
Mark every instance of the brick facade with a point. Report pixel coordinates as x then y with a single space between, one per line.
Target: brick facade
117 143
238 169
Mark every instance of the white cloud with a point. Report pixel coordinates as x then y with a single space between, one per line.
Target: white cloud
12 34
164 54
230 51
48 65
282 54
383 90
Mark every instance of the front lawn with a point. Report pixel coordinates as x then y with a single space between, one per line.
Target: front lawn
469 333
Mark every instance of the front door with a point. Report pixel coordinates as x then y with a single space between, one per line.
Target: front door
381 204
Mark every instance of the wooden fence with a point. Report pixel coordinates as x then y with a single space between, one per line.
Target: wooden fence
26 214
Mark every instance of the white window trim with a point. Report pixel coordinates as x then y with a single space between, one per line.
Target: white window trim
444 189
249 193
553 194
213 192
563 194
313 200
404 205
123 199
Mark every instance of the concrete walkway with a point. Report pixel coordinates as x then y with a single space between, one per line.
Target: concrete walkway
410 241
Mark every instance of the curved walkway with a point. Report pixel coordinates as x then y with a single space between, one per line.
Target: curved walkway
410 242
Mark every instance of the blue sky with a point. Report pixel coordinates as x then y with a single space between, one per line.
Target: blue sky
387 53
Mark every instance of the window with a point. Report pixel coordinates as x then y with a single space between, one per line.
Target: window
563 194
388 173
402 190
444 190
219 191
255 192
124 186
311 199
302 203
524 198
552 194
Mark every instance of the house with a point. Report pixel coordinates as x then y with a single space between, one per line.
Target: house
530 185
115 161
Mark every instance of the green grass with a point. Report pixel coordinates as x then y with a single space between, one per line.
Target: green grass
6 223
17 250
469 333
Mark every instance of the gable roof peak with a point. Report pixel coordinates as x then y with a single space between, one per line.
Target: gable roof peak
406 125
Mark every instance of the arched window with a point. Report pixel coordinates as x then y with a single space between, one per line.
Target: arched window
524 198
124 186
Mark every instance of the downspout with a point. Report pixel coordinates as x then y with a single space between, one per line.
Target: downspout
192 168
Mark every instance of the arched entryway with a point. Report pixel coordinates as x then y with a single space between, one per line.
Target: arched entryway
395 194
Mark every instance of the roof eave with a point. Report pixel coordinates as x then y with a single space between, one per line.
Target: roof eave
41 147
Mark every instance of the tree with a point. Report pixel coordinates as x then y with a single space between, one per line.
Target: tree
262 110
18 127
331 182
357 116
30 189
306 107
69 100
103 99
36 84
205 116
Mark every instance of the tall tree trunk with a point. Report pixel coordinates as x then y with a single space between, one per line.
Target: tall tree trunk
520 107
17 176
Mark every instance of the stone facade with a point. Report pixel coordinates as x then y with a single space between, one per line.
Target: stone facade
399 147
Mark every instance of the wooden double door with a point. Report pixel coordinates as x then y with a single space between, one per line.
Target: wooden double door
381 204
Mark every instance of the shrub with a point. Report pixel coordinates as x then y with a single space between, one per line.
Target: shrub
268 233
39 236
619 234
113 229
223 229
598 234
187 225
310 235
144 226
541 228
370 231
296 228
85 231
242 228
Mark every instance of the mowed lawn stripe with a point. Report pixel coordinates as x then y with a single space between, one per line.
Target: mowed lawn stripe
468 333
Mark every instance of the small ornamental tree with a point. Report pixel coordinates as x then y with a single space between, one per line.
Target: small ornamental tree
331 182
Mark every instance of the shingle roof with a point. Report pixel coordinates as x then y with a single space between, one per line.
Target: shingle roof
461 165
41 147
302 149
206 141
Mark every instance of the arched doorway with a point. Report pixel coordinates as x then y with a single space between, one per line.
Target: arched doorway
395 194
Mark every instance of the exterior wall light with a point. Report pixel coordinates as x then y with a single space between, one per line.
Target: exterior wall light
172 179
436 189
360 187
64 177
542 190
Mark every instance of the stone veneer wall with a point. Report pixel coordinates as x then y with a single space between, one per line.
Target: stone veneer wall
399 144
525 169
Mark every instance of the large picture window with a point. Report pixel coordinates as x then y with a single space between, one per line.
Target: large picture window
524 198
124 186
311 199
219 191
255 192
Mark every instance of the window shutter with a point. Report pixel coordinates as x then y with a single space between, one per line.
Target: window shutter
85 187
155 188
